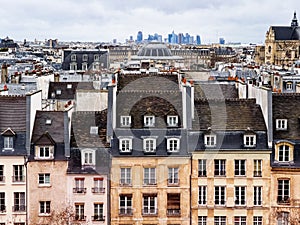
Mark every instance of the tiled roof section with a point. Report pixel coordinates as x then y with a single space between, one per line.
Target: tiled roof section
82 122
67 89
13 113
228 115
51 122
138 104
131 82
287 106
215 91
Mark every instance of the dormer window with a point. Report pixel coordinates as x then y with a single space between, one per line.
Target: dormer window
48 121
210 140
96 57
125 145
8 143
149 121
44 152
284 152
88 157
172 121
125 121
289 86
249 140
149 145
58 92
85 57
69 86
93 130
281 124
73 57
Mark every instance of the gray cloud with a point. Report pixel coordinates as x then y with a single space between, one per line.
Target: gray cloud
102 20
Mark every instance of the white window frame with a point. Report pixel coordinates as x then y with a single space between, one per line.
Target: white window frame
127 204
149 204
257 195
240 195
202 195
125 176
220 167
220 220
220 199
94 130
73 66
125 121
79 211
257 163
281 185
96 57
149 145
173 144
281 124
44 179
98 211
44 149
202 220
172 120
289 86
43 207
257 220
210 140
149 176
125 145
58 92
88 157
249 140
8 143
240 220
240 167
84 57
84 66
173 175
286 153
149 121
19 173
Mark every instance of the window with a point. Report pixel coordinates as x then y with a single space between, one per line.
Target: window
240 220
8 142
18 173
125 202
96 57
85 57
210 140
202 220
98 185
173 176
281 124
283 153
257 172
69 86
173 144
257 201
73 66
202 195
2 173
84 66
73 57
257 220
19 202
45 152
149 176
88 158
172 121
94 130
283 195
149 204
240 195
202 168
240 167
44 179
45 207
125 145
79 186
289 86
125 121
173 204
79 211
58 92
220 220
125 176
149 145
220 195
98 212
2 202
220 167
283 219
249 140
149 121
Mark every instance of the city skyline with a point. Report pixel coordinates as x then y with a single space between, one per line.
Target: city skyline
103 21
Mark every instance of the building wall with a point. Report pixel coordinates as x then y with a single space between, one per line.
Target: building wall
91 100
56 192
137 189
9 188
230 210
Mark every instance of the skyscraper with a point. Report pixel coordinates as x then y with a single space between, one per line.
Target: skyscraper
198 40
139 37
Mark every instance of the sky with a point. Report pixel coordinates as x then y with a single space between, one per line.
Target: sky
245 21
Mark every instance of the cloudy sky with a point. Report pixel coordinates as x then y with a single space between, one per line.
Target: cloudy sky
243 21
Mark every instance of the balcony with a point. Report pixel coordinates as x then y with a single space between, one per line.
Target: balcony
173 212
125 182
2 208
125 212
19 208
98 218
16 179
98 190
79 190
257 174
149 182
283 200
173 182
80 217
149 212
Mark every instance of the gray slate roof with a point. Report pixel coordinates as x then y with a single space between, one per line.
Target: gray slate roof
215 91
284 33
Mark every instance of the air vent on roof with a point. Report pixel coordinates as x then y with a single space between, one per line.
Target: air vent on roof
48 121
93 130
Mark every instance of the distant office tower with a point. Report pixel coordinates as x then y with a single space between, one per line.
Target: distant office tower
221 41
187 38
139 37
180 38
114 41
198 40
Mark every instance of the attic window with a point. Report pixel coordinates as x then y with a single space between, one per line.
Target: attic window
93 130
69 86
48 121
281 124
149 121
58 92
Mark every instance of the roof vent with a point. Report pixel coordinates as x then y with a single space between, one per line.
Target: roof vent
48 121
93 130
